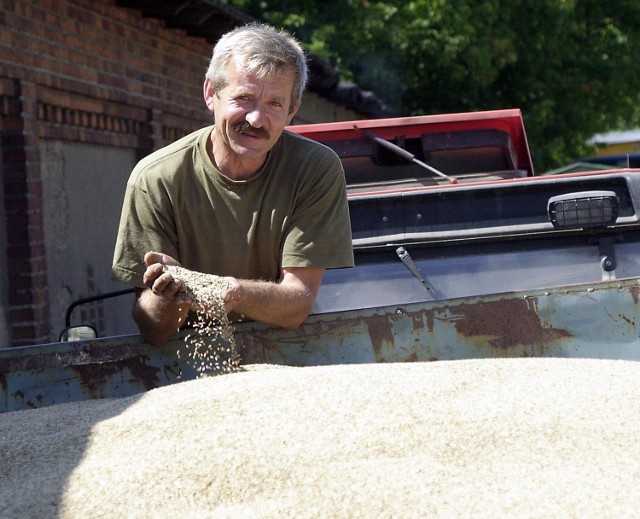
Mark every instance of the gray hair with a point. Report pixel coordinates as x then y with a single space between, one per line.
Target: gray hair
264 50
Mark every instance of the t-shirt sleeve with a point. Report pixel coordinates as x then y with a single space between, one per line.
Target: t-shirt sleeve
319 233
145 225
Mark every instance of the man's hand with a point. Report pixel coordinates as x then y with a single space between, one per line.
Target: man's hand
161 309
161 283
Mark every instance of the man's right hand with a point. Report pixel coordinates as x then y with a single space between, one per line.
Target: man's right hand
161 283
161 308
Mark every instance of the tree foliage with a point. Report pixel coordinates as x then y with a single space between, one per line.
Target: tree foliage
571 66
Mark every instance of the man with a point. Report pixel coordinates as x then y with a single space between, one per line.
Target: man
243 198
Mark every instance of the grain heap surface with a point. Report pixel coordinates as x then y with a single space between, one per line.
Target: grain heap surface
487 438
212 347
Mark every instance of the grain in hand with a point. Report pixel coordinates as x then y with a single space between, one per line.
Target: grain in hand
211 347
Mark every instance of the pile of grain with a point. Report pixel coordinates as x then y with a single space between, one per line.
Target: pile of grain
212 347
475 438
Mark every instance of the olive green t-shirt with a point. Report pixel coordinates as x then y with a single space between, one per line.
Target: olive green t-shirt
292 213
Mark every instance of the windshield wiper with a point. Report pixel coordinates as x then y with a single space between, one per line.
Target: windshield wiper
404 154
406 258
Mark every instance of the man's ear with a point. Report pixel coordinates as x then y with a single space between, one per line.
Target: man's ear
209 93
293 112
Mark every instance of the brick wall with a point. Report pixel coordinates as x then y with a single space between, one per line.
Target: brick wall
82 71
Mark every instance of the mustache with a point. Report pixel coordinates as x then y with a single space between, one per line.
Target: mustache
245 127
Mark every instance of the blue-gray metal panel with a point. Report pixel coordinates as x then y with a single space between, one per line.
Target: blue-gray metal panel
43 375
598 320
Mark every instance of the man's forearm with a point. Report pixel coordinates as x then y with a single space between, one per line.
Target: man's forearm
275 304
157 319
286 303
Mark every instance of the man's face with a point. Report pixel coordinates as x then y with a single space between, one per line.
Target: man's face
250 113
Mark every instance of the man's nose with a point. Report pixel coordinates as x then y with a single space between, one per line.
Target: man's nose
255 117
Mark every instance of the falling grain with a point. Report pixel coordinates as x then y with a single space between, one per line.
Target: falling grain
211 347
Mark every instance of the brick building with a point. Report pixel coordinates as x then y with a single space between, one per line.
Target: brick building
87 87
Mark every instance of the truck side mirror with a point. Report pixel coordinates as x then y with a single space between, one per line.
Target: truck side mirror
78 333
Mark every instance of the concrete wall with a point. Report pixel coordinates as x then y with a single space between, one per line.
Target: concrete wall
83 187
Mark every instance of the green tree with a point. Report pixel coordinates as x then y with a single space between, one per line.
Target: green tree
571 66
